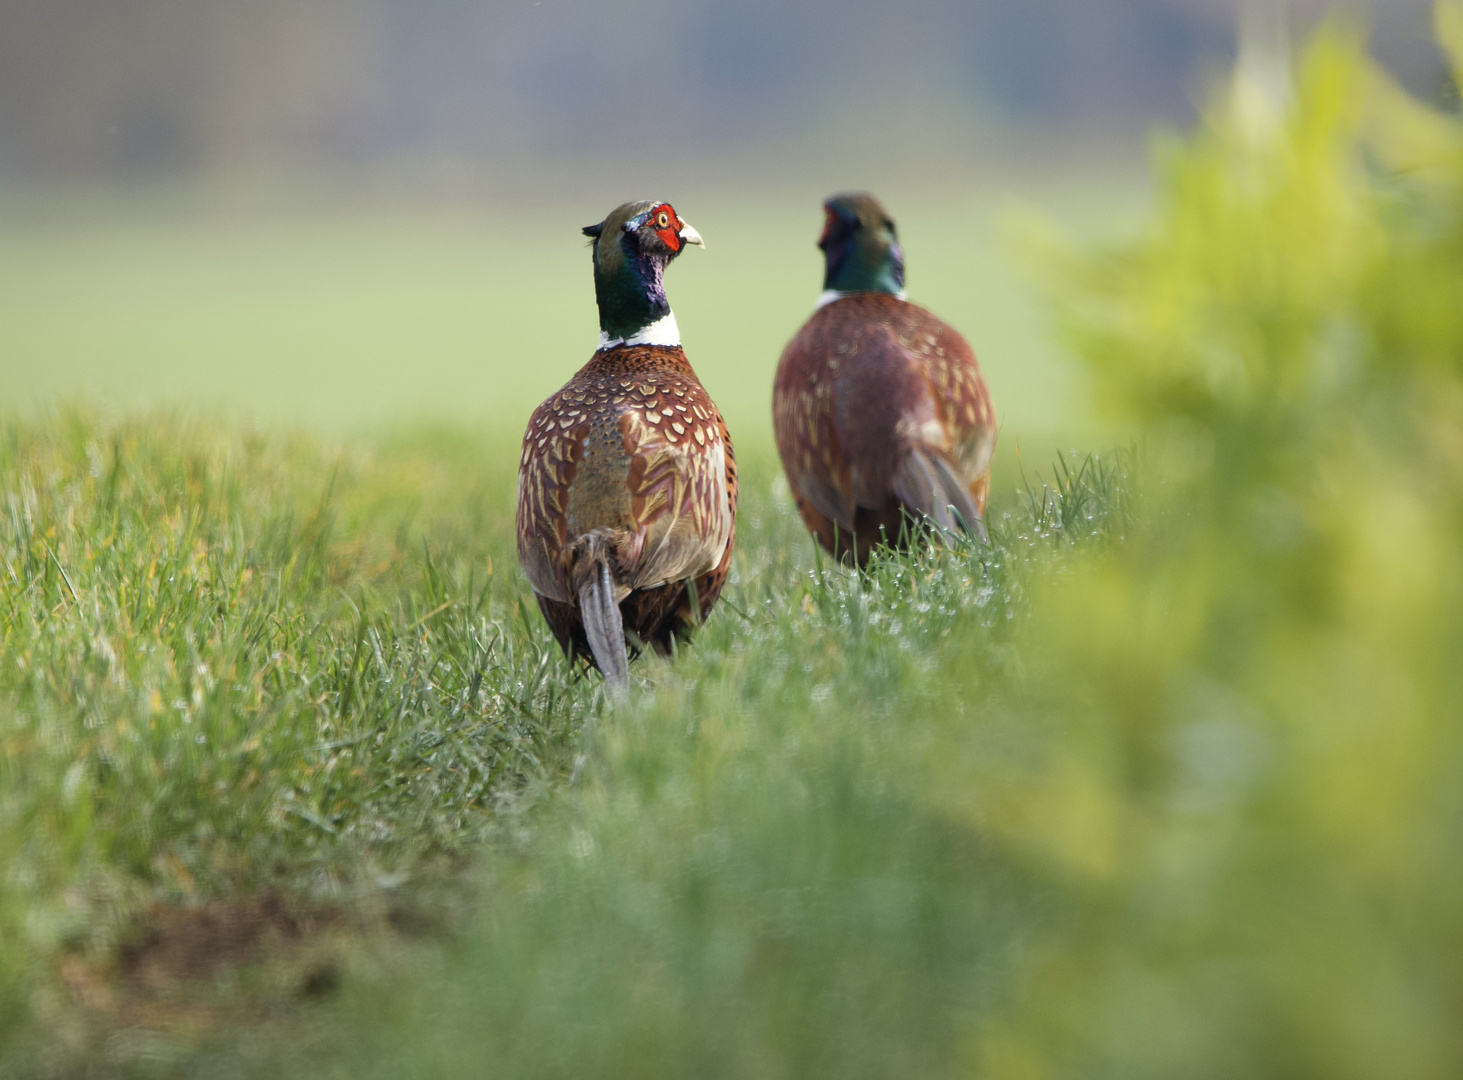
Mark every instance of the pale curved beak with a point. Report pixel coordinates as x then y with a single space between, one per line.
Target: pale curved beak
691 236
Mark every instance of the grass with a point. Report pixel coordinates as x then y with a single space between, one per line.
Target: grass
754 876
261 678
237 665
233 663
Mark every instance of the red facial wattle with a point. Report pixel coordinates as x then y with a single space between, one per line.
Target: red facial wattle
829 217
667 226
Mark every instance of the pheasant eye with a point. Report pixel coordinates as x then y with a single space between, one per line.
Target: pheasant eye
662 219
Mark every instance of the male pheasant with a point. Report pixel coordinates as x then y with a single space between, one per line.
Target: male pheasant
627 486
879 408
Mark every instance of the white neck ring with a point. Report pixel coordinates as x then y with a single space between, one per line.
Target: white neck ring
827 296
663 331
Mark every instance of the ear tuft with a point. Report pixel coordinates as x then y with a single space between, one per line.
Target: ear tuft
594 230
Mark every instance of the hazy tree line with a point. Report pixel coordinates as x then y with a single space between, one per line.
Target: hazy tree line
109 87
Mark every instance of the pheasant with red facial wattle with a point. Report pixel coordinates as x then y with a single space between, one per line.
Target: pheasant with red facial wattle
880 410
627 484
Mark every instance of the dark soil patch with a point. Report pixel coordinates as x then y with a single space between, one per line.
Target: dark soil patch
186 978
194 970
176 944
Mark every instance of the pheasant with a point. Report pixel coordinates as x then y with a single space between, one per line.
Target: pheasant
627 485
879 408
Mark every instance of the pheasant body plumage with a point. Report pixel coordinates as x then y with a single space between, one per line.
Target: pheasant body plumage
627 481
879 408
634 450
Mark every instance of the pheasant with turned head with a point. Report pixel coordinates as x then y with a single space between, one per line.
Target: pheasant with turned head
879 408
627 487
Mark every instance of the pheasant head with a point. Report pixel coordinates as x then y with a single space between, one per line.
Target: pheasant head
632 248
860 247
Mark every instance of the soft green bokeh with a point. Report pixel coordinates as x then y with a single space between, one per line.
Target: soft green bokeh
1249 783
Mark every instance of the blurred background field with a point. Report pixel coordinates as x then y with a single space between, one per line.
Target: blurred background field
357 214
353 317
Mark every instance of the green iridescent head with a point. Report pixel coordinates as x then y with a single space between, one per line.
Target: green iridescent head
632 248
861 250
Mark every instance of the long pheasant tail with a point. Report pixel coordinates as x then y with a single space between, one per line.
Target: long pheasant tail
605 629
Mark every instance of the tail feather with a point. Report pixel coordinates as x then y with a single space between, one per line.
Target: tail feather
604 628
918 488
930 484
957 491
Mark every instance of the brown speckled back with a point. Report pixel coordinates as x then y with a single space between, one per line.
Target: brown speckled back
633 449
867 378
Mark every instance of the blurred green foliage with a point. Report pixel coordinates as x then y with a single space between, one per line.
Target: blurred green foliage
1250 790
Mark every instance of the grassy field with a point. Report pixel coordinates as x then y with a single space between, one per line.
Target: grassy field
1162 781
238 666
272 683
